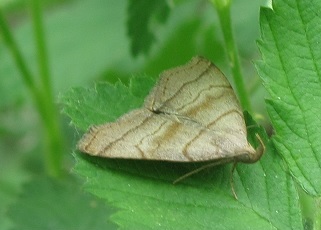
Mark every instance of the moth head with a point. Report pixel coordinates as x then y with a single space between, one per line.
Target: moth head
252 155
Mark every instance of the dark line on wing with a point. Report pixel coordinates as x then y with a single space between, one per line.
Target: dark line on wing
126 133
152 134
141 152
169 132
192 111
201 93
93 131
187 83
205 129
223 115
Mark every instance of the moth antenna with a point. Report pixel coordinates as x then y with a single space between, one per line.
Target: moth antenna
232 180
250 126
199 169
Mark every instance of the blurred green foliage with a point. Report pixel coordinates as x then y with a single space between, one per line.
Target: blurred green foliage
103 41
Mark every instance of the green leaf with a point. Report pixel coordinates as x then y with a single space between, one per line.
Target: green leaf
48 204
94 107
140 15
12 176
144 192
291 71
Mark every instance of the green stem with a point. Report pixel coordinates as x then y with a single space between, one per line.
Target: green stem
223 10
17 56
41 47
42 95
49 114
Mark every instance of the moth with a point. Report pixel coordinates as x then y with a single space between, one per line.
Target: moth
191 115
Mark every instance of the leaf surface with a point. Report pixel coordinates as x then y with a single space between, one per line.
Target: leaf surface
48 204
291 71
143 190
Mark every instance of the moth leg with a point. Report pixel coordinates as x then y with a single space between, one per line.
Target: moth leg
215 163
232 180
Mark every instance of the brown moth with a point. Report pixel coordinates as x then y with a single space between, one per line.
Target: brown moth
191 115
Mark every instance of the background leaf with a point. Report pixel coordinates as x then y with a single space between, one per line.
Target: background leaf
52 206
291 71
87 40
139 24
144 192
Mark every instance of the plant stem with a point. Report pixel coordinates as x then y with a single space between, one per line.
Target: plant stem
223 10
54 143
42 92
25 73
41 47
